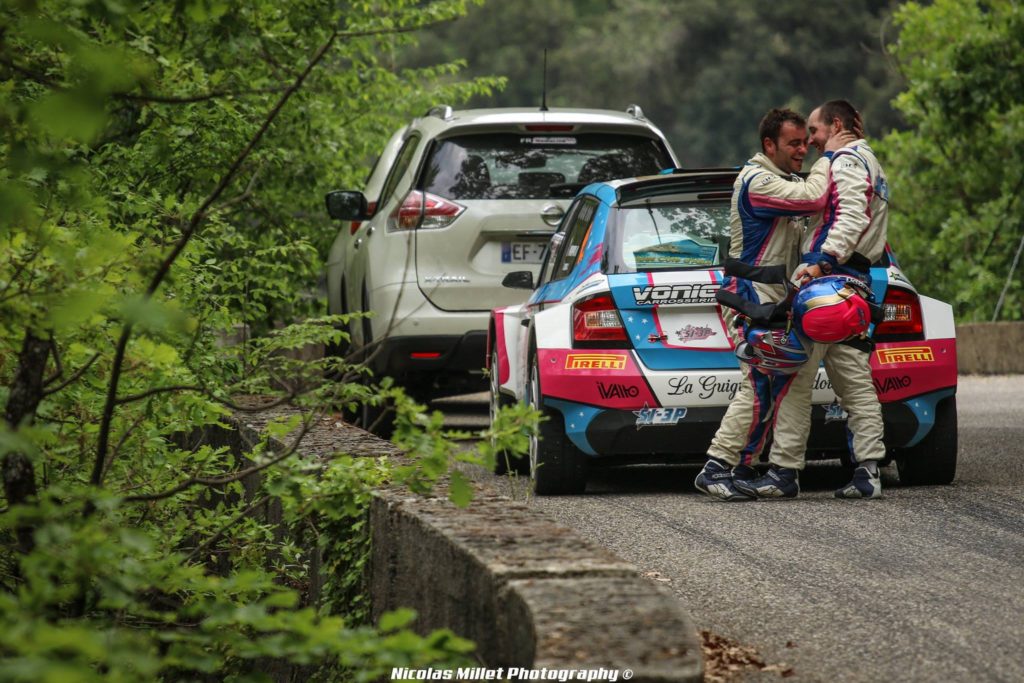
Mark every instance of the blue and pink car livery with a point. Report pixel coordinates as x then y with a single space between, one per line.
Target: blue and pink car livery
623 347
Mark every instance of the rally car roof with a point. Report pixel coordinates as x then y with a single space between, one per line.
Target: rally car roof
674 181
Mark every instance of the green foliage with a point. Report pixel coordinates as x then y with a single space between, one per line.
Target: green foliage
704 71
160 228
957 217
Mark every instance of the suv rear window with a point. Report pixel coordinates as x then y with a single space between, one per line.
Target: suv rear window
673 236
525 166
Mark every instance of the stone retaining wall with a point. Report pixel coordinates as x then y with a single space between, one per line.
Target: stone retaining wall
990 348
528 592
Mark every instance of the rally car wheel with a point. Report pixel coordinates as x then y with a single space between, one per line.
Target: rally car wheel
556 465
504 461
932 462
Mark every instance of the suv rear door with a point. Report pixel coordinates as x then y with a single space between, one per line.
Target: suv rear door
501 181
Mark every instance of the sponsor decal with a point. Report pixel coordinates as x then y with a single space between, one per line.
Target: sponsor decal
660 295
587 285
440 279
595 361
822 384
884 386
658 417
617 390
898 276
709 386
693 333
907 354
554 140
835 413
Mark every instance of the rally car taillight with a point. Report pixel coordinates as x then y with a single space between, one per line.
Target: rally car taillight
436 212
596 322
902 319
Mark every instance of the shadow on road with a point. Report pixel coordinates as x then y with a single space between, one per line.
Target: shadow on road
819 476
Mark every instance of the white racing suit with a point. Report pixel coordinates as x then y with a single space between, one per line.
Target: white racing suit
764 233
850 237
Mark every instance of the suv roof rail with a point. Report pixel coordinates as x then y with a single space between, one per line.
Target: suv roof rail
442 112
636 112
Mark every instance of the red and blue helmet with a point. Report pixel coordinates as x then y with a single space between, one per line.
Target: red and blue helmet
832 309
772 351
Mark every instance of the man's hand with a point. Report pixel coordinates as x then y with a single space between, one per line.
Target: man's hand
806 273
839 140
858 126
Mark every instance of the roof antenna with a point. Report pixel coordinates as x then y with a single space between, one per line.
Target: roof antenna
544 88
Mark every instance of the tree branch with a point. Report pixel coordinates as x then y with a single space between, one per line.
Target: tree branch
131 398
73 378
56 361
220 532
226 478
121 442
153 98
103 439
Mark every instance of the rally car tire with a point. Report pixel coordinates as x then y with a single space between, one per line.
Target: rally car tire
556 465
932 462
504 462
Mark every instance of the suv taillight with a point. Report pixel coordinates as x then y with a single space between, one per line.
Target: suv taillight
596 321
437 212
902 319
370 208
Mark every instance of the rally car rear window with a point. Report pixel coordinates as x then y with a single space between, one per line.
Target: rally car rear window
526 165
651 237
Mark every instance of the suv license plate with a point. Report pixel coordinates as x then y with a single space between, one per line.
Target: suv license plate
522 252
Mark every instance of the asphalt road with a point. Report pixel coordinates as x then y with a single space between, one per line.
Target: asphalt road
926 584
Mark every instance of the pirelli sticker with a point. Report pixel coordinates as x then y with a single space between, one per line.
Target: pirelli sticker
906 354
595 361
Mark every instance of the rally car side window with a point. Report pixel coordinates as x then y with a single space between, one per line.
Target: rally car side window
576 233
553 252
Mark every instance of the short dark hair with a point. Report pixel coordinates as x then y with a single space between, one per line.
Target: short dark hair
771 124
842 110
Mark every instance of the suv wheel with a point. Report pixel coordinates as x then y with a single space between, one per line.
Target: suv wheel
933 460
556 465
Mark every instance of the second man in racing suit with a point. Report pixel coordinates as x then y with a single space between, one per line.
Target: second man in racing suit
767 198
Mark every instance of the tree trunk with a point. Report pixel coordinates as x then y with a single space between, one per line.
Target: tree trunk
26 392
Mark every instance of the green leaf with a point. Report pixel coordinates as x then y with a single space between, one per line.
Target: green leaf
398 619
75 115
460 491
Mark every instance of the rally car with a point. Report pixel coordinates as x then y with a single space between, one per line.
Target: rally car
624 350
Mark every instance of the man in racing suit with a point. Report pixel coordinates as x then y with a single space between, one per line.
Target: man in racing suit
850 236
767 195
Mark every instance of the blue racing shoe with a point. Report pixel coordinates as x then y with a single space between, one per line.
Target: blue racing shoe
865 484
716 480
778 482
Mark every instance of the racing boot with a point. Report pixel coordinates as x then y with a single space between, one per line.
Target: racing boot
778 482
716 480
865 483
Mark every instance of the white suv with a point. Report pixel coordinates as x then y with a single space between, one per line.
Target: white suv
456 201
